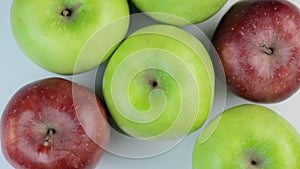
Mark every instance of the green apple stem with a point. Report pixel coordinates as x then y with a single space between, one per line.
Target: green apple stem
266 48
154 83
253 162
256 163
67 12
48 137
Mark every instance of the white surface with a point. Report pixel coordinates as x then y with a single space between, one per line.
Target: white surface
16 71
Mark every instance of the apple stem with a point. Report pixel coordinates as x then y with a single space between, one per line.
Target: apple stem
67 12
154 84
266 48
253 162
50 133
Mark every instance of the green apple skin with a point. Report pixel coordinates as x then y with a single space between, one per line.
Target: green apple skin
161 73
56 42
180 12
248 137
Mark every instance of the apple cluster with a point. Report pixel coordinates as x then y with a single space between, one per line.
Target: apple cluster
159 81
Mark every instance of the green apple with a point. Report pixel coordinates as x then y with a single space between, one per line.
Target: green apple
180 12
69 36
248 137
159 83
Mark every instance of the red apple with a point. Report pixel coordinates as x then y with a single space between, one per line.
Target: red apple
258 43
55 124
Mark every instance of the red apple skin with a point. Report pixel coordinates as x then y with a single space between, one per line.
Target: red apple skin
73 111
240 38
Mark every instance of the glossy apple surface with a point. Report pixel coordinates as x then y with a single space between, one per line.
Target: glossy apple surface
159 83
54 124
248 137
258 43
69 36
180 12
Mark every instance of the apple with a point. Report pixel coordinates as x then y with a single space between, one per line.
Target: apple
180 12
69 37
159 83
54 123
248 136
258 44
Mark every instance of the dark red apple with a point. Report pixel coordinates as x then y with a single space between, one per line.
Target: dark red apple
258 42
54 124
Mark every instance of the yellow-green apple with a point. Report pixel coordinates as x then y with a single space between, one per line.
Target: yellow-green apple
69 36
258 43
159 83
55 124
248 136
180 12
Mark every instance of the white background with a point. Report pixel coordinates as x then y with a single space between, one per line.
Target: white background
16 71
